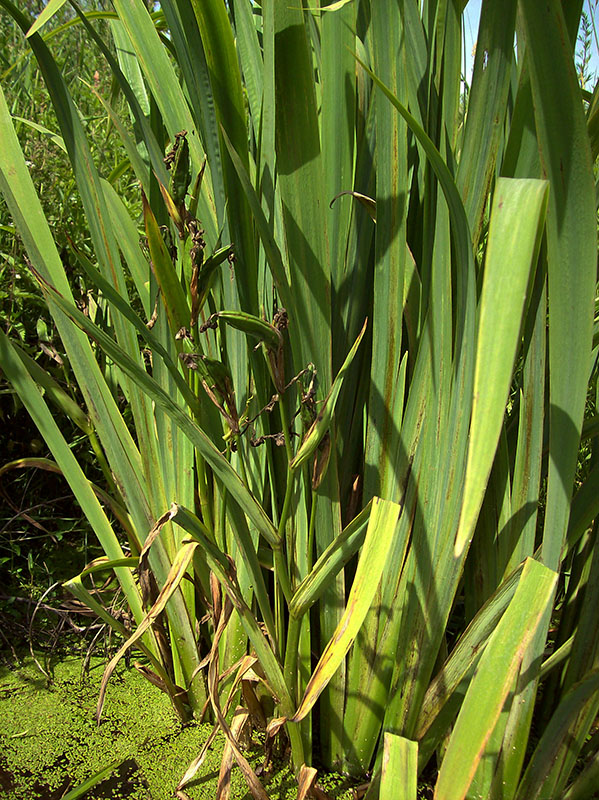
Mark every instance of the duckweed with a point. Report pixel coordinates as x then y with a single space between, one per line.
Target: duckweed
50 743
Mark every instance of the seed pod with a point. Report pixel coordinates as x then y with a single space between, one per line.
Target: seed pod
207 271
194 195
253 326
323 421
216 374
180 170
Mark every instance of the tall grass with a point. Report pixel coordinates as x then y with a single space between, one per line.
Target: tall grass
342 368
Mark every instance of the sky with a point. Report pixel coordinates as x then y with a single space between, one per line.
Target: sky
472 16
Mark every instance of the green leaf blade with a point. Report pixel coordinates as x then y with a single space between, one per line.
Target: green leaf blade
514 239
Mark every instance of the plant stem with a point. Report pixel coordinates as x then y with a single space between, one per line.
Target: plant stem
281 567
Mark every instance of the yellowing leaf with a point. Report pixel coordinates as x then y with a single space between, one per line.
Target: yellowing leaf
382 527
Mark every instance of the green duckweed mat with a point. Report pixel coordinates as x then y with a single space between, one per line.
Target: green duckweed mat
50 743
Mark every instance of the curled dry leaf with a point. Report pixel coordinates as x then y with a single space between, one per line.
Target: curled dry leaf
305 781
368 203
216 597
143 568
152 677
243 666
253 704
175 575
250 776
275 725
192 769
223 789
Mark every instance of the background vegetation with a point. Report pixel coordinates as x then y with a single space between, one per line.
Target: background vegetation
318 324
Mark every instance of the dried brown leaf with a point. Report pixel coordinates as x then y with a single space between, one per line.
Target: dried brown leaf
251 779
223 789
305 781
176 573
253 704
275 725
